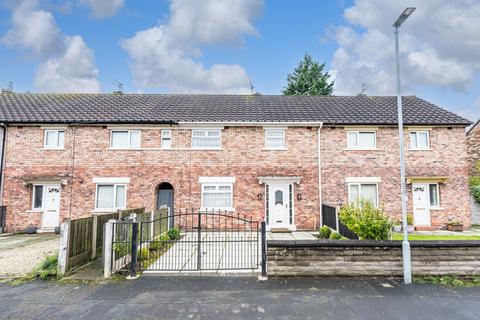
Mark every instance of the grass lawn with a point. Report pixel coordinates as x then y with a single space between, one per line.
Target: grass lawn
399 236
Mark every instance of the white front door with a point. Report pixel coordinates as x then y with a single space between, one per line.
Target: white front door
51 208
421 210
278 206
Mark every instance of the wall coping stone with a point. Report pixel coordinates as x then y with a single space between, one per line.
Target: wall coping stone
371 243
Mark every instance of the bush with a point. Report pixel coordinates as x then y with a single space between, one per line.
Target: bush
164 238
174 234
335 236
155 244
410 219
366 221
48 267
324 232
143 254
476 192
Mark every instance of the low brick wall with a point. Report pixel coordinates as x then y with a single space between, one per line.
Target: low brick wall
371 258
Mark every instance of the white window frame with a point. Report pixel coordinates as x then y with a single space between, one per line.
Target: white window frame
358 147
206 136
33 197
266 130
216 185
417 132
115 185
169 138
438 195
57 133
129 139
359 185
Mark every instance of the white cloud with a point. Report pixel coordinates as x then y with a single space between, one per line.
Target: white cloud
67 63
439 46
163 56
103 8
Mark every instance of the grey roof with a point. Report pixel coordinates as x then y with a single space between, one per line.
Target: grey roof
473 126
174 108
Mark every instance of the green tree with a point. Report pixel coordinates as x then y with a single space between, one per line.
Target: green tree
309 79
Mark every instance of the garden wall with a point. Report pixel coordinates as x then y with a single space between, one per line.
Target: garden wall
371 258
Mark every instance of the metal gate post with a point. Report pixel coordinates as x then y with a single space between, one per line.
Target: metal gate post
133 262
199 241
264 250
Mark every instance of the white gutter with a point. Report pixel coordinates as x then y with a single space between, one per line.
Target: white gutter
250 123
320 175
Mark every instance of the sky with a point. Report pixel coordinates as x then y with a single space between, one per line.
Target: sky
212 46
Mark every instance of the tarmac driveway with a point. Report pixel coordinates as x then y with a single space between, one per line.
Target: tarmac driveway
21 253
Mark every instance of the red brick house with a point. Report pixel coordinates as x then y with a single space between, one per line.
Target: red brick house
473 147
276 158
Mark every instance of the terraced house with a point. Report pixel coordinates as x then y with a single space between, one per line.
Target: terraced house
276 158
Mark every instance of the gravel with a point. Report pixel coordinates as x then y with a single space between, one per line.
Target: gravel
22 260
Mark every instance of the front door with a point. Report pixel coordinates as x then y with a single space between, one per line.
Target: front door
421 211
165 198
50 217
278 206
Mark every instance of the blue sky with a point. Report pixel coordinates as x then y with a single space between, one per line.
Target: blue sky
216 47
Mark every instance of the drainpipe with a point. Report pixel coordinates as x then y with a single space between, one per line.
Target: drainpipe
319 174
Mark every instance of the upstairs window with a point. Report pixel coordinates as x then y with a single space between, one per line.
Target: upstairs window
166 139
54 139
361 140
125 139
206 139
419 140
274 139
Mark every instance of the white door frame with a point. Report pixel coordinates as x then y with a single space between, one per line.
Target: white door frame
418 210
286 184
44 202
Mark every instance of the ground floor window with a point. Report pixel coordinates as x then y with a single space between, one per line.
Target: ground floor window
433 192
111 196
363 191
217 196
37 202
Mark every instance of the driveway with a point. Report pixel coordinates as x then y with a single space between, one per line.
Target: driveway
238 298
21 253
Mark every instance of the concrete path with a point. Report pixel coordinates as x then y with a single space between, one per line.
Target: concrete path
220 252
291 236
239 298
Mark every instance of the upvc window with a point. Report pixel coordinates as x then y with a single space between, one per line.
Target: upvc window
217 196
434 195
206 139
111 196
37 200
125 139
363 191
274 138
361 139
166 139
419 140
54 139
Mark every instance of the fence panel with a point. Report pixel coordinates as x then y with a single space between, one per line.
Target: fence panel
330 219
3 218
80 242
101 220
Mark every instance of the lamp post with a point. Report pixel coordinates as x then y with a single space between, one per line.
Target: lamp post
407 263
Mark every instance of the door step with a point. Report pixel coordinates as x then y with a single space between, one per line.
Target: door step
280 230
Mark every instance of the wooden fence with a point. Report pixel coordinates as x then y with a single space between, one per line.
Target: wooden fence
85 236
3 218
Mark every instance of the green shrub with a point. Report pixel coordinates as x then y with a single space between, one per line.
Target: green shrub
174 234
48 267
324 232
476 192
155 244
164 238
410 219
143 254
335 236
367 221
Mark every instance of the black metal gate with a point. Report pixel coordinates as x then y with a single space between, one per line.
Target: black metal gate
214 240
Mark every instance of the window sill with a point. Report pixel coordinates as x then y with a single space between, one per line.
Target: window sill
53 149
125 148
427 149
274 149
35 211
105 210
362 149
206 149
437 208
216 209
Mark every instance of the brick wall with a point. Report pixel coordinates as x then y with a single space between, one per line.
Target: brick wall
242 156
369 258
473 140
447 157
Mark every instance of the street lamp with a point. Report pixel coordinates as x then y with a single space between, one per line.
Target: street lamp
407 263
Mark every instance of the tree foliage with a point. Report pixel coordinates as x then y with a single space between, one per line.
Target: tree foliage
308 78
